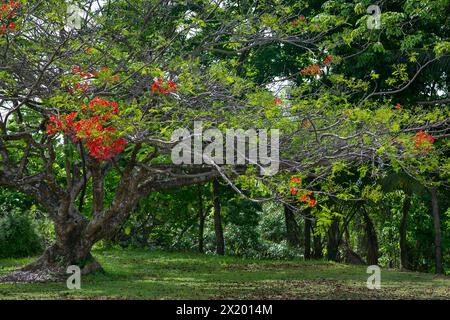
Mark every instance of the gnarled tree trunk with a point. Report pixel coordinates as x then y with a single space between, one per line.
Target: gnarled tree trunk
75 234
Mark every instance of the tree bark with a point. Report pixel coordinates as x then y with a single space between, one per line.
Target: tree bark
437 231
76 234
70 247
220 242
307 232
317 242
404 263
350 256
333 242
201 221
317 254
372 240
292 230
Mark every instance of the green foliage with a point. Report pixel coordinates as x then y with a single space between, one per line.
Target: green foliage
18 236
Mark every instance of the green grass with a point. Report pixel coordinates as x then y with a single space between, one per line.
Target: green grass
140 274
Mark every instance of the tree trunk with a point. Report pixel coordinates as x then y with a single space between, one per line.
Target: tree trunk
404 263
317 247
333 242
372 240
350 256
307 236
76 234
220 242
292 236
437 231
317 254
201 221
71 247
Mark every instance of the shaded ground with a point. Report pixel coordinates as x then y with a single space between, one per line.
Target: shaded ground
140 274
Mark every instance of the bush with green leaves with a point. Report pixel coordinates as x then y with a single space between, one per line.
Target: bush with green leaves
18 236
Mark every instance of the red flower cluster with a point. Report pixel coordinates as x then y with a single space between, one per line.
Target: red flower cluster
90 126
301 18
311 70
328 60
163 87
422 141
306 198
295 181
63 124
314 69
8 12
101 151
83 84
398 106
278 101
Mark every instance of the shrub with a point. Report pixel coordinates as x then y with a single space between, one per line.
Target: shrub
18 237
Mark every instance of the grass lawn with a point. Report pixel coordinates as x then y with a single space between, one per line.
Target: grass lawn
140 274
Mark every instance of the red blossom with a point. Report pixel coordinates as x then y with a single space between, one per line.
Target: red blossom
311 70
91 127
423 141
328 60
296 180
306 198
294 191
163 87
8 12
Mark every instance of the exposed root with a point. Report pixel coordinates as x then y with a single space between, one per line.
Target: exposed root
48 270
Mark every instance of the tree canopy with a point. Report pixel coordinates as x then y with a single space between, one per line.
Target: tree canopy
91 92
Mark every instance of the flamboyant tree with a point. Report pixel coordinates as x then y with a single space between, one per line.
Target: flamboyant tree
80 103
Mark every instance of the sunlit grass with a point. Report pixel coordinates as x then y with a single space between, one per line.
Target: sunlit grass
143 274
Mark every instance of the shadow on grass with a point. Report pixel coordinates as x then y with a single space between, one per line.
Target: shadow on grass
141 274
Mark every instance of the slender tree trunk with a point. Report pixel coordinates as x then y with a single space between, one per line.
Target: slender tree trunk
317 242
437 231
333 242
317 247
372 240
307 236
404 263
201 218
292 230
350 256
220 242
